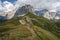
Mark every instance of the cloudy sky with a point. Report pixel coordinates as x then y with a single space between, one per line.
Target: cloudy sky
49 4
41 3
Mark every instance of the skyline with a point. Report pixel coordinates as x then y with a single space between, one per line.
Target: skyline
8 6
39 4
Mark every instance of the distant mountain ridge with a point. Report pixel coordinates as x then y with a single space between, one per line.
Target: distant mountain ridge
48 14
18 11
21 11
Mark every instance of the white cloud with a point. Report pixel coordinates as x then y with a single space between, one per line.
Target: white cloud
50 4
8 6
23 2
56 4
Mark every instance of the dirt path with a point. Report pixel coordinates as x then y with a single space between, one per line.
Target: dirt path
29 26
32 31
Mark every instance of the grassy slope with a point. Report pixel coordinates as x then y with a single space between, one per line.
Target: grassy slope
49 25
43 28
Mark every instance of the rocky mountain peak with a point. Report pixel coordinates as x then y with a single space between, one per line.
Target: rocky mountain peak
24 10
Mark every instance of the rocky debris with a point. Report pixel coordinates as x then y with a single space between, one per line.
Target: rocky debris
28 19
22 22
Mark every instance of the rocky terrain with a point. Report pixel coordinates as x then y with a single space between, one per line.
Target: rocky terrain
49 14
18 11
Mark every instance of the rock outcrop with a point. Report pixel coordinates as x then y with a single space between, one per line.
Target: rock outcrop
46 13
24 10
18 11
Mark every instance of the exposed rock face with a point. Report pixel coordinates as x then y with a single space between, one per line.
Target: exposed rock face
22 22
24 10
47 14
41 12
50 15
18 11
7 15
11 14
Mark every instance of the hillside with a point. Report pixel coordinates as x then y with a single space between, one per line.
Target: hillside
29 27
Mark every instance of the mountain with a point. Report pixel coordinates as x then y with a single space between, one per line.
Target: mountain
41 12
24 10
29 27
38 13
17 11
49 14
57 15
24 24
45 13
8 15
7 10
